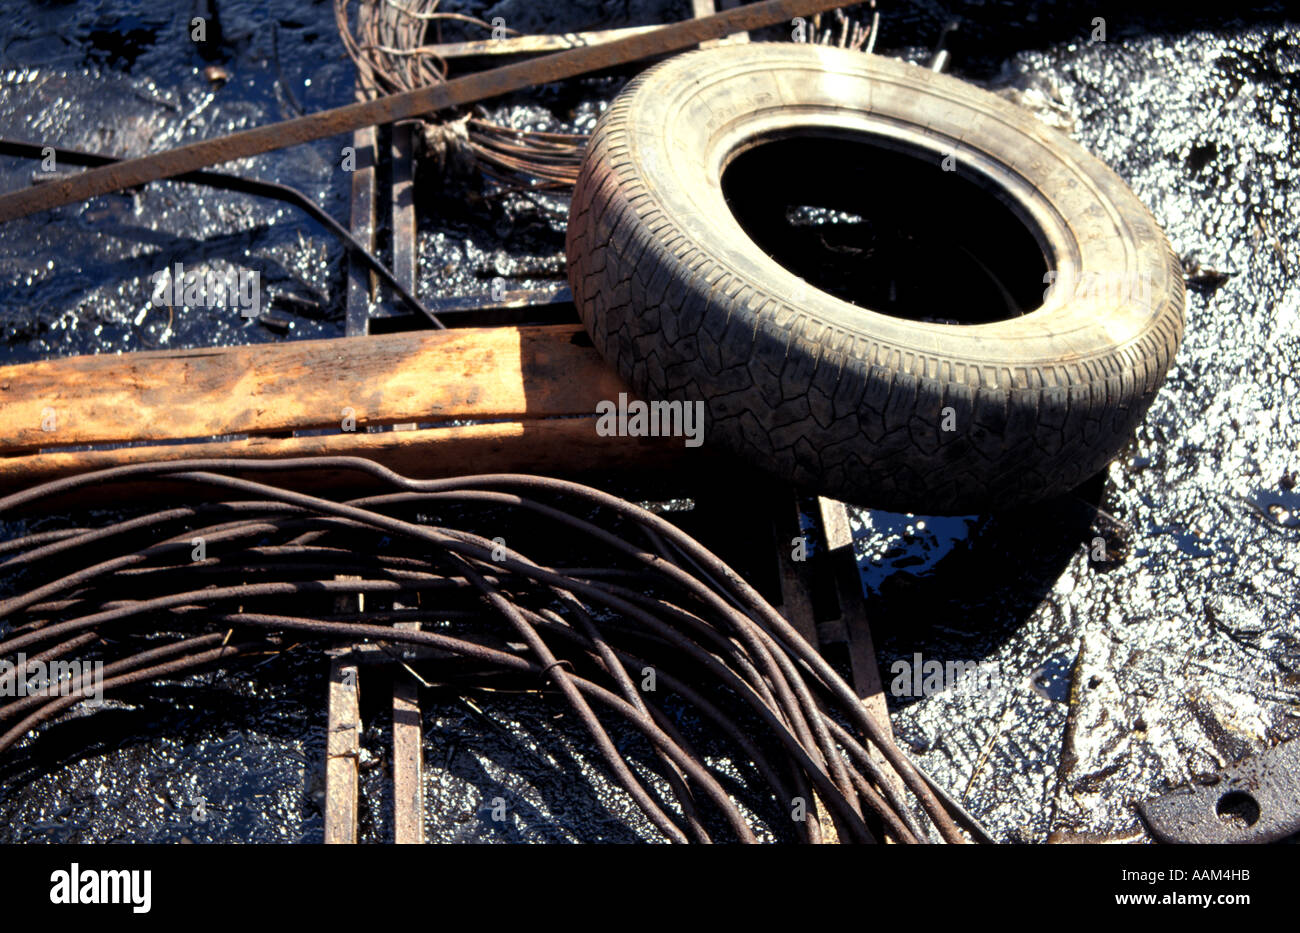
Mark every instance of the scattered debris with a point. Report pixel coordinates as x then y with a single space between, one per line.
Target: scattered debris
1202 276
216 75
1040 94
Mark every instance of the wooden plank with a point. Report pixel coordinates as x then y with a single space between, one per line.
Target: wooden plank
796 598
797 608
567 446
835 523
853 610
863 668
342 754
864 671
408 764
470 373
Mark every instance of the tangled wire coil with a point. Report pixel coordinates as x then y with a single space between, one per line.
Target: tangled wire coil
392 53
668 605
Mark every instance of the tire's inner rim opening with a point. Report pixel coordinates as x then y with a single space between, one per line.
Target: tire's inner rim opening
886 229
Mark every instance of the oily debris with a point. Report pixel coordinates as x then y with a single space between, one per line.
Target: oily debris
1113 673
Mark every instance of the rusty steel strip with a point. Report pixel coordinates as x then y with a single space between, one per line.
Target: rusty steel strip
406 259
457 93
363 197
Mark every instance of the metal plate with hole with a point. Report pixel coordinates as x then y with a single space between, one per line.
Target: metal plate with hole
1256 800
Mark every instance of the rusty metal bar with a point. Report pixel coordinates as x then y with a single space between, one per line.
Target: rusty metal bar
360 291
405 256
467 90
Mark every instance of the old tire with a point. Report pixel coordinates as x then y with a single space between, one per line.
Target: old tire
904 414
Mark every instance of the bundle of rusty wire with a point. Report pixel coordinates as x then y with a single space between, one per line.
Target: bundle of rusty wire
255 564
392 51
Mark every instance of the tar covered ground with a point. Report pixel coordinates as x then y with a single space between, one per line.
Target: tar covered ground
1112 675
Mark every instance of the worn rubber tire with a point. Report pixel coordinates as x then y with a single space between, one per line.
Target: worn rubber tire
846 401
